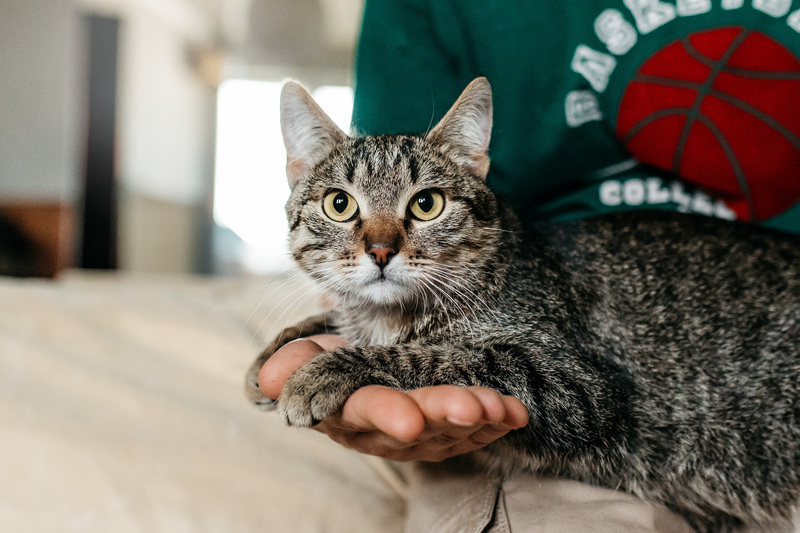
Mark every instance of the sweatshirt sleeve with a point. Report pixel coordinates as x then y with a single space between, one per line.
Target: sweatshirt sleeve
405 76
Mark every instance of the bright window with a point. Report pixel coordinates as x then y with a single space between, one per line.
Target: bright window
250 187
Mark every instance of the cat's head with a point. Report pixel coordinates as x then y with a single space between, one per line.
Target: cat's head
392 219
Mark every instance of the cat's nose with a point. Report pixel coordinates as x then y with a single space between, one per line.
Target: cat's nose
381 254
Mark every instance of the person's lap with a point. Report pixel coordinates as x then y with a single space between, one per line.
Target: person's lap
449 498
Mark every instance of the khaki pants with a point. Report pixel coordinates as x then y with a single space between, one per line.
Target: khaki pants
444 500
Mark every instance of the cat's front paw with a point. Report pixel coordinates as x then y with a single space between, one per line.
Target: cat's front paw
320 388
311 326
310 395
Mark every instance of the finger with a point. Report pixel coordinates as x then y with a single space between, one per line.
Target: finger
375 443
516 413
378 408
386 422
471 444
443 438
328 341
375 420
362 429
434 450
447 445
283 363
448 406
494 408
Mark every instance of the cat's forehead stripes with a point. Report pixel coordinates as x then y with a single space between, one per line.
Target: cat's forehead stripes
383 168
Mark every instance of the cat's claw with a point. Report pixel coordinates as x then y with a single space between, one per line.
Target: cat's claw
266 404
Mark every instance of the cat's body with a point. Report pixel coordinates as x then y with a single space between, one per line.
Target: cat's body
656 353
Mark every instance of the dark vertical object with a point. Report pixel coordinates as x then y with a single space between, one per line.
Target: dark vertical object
99 241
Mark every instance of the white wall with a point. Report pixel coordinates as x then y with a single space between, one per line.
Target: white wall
41 106
165 131
165 111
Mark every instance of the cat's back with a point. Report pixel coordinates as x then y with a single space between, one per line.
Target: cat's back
655 275
651 248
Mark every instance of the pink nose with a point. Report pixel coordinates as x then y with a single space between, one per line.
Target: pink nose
381 254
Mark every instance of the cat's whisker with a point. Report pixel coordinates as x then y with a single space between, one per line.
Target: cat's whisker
316 290
458 283
296 304
444 280
501 230
262 297
489 307
433 288
279 305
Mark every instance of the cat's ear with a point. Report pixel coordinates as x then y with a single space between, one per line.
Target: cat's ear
464 132
308 133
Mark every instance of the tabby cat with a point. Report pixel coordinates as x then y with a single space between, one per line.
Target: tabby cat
656 352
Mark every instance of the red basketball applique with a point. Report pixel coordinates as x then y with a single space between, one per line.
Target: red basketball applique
722 109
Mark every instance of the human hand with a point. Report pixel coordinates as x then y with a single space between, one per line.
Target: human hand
427 424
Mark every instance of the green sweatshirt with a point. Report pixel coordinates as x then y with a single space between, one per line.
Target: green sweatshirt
602 105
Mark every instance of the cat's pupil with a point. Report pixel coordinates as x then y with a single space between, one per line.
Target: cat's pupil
340 202
425 202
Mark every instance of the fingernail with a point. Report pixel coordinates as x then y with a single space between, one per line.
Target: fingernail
458 422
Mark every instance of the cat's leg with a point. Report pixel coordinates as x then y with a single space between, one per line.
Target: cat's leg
311 326
586 419
570 397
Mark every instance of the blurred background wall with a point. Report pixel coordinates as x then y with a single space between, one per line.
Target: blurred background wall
126 94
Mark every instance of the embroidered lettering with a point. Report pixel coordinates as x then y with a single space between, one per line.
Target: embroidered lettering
582 107
615 32
595 66
611 193
723 211
688 8
680 197
794 21
732 4
650 14
702 203
775 8
656 192
635 192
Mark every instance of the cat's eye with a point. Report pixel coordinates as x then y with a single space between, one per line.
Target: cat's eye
339 206
427 205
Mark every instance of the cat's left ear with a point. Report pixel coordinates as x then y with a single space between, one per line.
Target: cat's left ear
308 133
465 131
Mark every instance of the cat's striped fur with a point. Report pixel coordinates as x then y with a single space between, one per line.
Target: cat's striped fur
656 353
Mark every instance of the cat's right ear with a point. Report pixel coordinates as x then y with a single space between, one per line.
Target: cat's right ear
465 130
308 133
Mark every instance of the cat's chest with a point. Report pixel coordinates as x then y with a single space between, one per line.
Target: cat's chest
372 327
374 330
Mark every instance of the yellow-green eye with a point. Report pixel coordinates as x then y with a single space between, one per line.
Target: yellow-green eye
339 206
427 205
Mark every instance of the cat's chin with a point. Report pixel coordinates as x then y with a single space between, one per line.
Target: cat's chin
383 292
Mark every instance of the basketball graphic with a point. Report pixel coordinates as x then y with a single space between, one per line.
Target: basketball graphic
721 108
